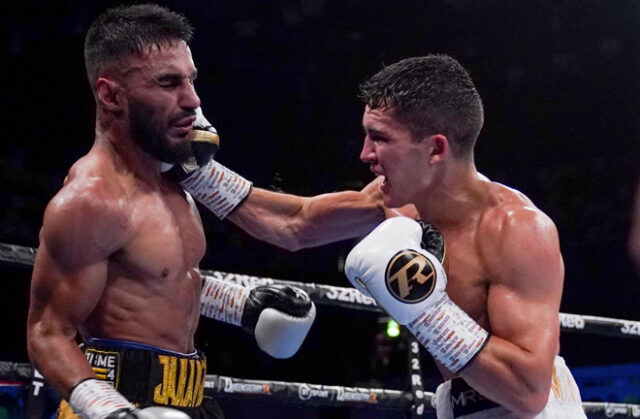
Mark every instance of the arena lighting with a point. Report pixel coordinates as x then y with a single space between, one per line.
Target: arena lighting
393 328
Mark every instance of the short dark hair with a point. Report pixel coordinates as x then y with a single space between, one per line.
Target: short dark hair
129 30
433 94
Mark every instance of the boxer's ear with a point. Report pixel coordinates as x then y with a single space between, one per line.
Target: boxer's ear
108 92
439 147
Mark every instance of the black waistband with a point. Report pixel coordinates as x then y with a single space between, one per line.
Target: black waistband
118 343
465 400
147 375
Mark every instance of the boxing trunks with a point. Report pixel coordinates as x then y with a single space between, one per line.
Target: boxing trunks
455 399
150 376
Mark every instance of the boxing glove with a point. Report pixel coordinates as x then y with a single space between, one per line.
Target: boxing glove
96 399
205 143
279 316
215 186
154 412
392 265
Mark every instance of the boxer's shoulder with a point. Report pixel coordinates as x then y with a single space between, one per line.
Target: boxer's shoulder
508 214
89 209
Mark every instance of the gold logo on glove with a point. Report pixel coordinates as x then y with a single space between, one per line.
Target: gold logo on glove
410 276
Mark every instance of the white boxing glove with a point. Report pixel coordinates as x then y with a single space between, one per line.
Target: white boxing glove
409 282
390 265
157 412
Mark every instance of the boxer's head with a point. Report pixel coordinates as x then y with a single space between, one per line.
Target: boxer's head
420 112
429 95
129 31
140 68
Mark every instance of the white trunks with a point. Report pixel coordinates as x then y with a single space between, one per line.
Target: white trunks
463 402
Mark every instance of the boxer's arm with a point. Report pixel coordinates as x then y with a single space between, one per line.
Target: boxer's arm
295 222
523 259
69 275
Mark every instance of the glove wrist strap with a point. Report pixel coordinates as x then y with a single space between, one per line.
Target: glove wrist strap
96 399
223 300
217 187
449 334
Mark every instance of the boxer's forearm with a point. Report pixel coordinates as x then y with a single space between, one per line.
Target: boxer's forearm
58 358
511 376
294 222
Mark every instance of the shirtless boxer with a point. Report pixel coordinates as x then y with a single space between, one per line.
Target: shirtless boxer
120 245
494 329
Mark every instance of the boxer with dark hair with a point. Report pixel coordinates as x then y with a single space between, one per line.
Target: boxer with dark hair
121 242
487 313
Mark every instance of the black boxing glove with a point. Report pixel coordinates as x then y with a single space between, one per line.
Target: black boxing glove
279 316
205 143
218 188
432 240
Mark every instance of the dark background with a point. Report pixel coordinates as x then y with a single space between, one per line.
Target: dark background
560 82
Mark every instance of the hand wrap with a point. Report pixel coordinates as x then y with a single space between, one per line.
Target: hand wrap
279 316
209 182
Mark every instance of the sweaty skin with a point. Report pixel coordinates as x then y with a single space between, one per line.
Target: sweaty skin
120 243
503 259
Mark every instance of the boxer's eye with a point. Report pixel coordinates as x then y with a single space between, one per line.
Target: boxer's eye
169 80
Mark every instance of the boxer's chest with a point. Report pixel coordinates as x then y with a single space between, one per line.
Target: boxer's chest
167 236
467 283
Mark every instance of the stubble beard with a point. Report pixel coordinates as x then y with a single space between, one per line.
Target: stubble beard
152 138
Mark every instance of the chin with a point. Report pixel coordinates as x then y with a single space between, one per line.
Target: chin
390 202
393 202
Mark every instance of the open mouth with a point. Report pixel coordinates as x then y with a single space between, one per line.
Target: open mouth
385 186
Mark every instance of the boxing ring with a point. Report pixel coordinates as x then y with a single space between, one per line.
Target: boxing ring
29 385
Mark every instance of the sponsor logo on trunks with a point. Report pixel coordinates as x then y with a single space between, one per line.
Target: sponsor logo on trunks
182 382
348 295
572 321
465 400
37 383
410 276
306 391
229 386
105 365
353 395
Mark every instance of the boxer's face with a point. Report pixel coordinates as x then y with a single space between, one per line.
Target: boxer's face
161 101
390 152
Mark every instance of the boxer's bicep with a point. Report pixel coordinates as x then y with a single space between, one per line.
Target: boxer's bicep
523 262
79 234
69 276
525 290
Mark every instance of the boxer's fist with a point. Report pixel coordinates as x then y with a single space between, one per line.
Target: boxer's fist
205 143
280 317
391 265
154 412
96 399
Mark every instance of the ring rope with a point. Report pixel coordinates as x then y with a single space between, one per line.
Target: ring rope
352 298
318 395
323 395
